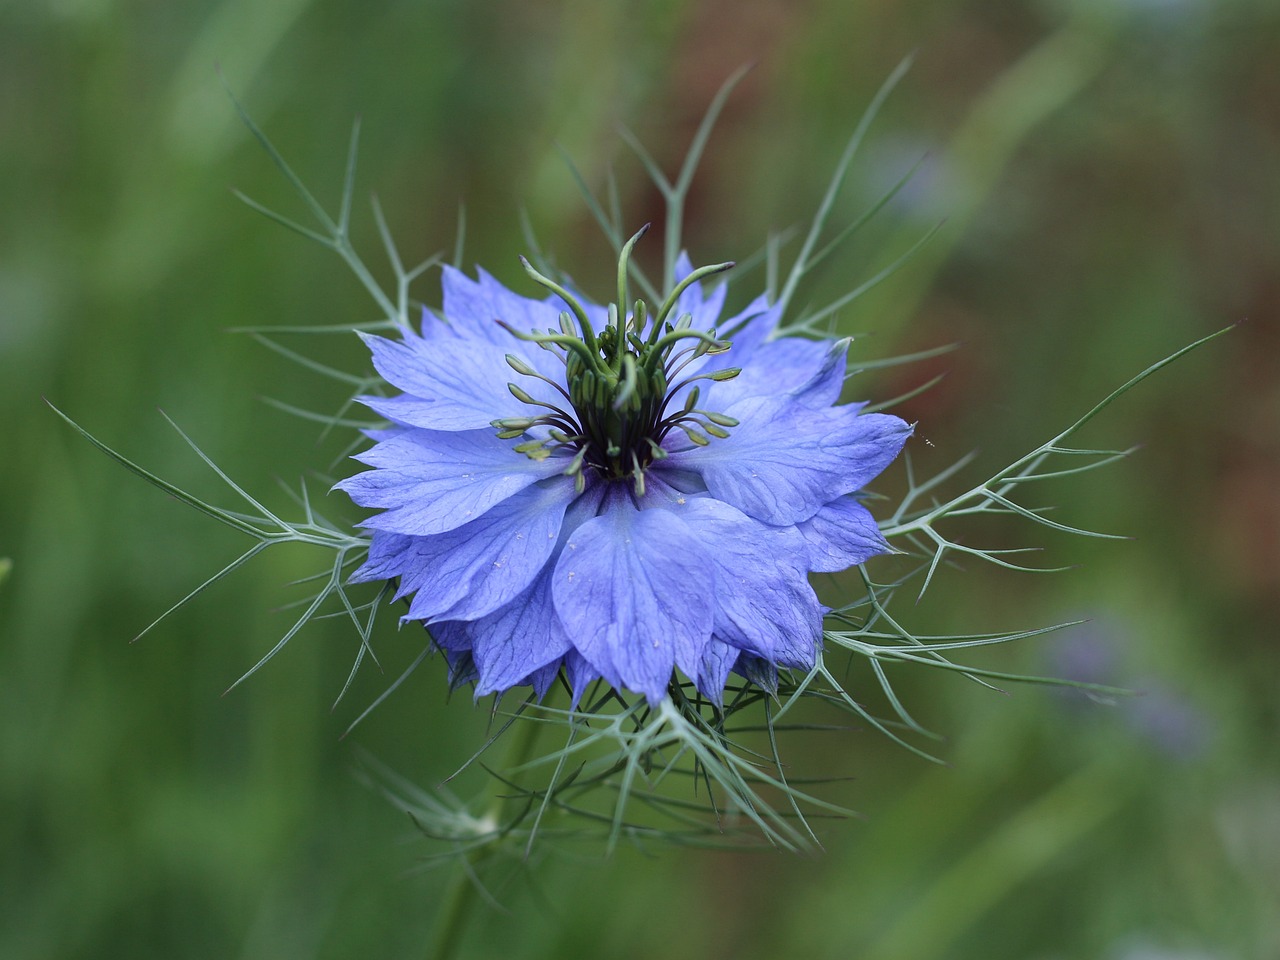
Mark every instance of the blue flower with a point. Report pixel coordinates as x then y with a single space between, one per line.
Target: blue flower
559 490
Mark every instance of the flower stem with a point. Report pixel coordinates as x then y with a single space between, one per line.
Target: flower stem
461 896
453 917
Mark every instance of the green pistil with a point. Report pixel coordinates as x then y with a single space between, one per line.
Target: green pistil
619 382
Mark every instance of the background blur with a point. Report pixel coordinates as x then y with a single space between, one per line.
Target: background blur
1108 173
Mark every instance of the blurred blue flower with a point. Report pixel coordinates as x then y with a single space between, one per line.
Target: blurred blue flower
628 503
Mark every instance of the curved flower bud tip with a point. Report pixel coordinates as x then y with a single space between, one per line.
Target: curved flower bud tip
644 499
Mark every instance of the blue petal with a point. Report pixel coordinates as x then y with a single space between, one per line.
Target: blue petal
454 642
704 311
813 370
430 482
542 679
764 604
747 331
718 659
580 675
760 672
386 559
785 460
463 381
842 534
518 640
478 304
633 590
474 569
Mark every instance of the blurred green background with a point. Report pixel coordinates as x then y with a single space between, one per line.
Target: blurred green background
1109 174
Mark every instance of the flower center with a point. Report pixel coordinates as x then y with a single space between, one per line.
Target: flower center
623 383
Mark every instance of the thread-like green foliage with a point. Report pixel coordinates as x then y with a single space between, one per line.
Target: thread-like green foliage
686 771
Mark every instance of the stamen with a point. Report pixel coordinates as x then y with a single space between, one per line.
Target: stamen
565 340
693 435
628 381
519 366
618 382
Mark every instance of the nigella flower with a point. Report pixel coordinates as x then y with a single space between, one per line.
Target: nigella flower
618 493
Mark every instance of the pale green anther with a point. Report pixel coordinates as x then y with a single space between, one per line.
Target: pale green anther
513 423
588 384
684 333
618 381
568 341
658 381
694 435
575 465
519 366
639 316
519 394
534 450
726 374
579 482
629 381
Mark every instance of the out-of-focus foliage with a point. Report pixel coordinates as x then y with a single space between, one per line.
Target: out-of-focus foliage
1107 175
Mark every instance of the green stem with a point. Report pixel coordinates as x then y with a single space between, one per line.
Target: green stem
453 917
461 895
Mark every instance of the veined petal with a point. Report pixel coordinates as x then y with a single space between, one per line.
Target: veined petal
633 590
453 384
385 559
518 640
477 305
580 675
718 660
785 460
814 369
542 679
430 481
842 534
747 331
705 311
760 672
763 602
474 569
